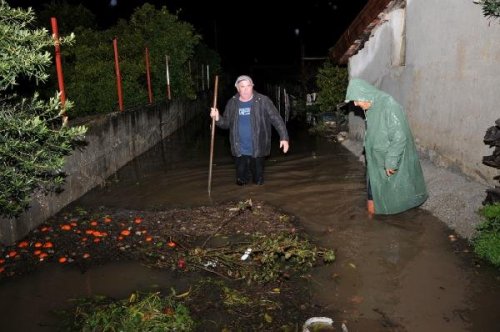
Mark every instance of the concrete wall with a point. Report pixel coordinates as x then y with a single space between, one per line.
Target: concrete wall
441 60
113 140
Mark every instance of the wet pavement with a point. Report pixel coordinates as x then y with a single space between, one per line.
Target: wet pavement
393 273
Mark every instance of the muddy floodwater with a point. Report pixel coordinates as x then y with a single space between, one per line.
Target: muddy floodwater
392 273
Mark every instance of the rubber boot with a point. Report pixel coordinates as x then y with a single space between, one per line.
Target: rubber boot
371 208
242 170
257 167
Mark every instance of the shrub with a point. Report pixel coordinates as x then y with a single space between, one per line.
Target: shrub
332 82
491 8
487 241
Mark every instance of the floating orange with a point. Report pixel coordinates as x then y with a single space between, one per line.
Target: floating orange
23 244
97 240
93 223
149 238
138 220
125 232
2 260
168 311
12 254
48 245
45 229
107 219
2 269
171 244
43 255
86 255
65 227
62 260
37 252
120 238
38 245
84 239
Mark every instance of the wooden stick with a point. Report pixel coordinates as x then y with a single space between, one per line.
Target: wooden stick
216 85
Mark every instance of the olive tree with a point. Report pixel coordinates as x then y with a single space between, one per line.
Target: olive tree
33 143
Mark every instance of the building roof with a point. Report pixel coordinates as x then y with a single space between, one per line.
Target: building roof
360 30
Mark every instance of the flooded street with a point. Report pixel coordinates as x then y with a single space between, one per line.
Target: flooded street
392 273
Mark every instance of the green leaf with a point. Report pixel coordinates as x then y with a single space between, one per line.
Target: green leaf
268 318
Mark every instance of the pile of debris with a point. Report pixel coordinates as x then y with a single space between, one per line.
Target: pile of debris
492 138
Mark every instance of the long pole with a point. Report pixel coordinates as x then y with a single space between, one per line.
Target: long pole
60 77
216 85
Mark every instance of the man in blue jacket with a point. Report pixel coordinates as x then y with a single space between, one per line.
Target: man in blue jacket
248 116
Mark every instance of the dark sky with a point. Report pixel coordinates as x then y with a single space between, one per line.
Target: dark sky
249 34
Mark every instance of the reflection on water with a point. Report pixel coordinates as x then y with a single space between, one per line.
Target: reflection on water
393 273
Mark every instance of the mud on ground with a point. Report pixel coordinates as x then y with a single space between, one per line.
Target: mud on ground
182 241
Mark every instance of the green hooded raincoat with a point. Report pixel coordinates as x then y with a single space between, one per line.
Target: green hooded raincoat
389 144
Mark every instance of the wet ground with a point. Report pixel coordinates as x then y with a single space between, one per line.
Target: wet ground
393 273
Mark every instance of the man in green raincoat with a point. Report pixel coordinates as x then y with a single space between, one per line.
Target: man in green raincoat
394 176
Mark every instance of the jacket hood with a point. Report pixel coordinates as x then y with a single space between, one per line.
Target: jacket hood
360 90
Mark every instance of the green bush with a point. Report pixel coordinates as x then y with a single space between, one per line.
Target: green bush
487 241
491 8
89 73
332 83
487 246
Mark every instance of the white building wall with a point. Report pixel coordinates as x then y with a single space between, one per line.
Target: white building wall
448 81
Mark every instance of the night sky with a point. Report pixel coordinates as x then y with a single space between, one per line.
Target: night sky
247 34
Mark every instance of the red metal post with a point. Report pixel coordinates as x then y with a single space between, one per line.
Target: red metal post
60 76
118 75
150 93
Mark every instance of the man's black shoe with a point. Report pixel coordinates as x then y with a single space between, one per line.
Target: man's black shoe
240 182
259 182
